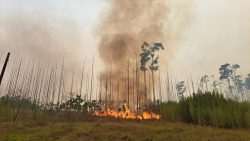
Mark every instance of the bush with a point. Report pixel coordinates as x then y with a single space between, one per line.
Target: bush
168 111
209 108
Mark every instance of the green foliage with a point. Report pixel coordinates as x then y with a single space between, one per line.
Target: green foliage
210 109
77 104
13 106
144 56
168 111
181 88
247 82
148 53
16 101
74 104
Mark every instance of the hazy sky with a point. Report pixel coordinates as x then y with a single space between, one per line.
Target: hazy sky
218 32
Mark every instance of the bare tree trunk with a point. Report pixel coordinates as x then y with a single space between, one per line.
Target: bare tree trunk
54 84
160 88
60 85
153 81
97 88
82 77
128 85
110 84
11 78
49 86
106 93
100 92
4 67
41 86
137 88
91 88
150 94
145 87
133 85
47 74
16 106
71 88
63 86
118 93
17 77
36 84
86 88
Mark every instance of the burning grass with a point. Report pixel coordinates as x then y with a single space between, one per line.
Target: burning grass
126 113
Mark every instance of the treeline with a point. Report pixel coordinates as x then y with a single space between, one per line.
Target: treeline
208 109
229 83
14 108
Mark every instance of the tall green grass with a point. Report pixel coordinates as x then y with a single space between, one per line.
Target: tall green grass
210 109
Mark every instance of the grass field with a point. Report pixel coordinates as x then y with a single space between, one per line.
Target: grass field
54 125
116 130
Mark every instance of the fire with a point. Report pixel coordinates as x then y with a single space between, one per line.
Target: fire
126 114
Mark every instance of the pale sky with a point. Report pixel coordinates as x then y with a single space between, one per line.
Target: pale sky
218 32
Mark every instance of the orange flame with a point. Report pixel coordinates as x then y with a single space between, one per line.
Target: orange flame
126 114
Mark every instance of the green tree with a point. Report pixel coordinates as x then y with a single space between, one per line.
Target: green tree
247 82
204 80
148 53
144 60
226 74
154 62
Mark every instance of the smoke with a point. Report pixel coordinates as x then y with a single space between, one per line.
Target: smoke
128 24
43 37
217 35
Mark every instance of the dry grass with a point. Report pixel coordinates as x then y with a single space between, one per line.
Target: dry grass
116 130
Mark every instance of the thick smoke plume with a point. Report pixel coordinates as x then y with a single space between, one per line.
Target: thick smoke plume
129 23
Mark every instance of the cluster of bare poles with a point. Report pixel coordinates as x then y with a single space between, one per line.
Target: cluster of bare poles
55 83
44 83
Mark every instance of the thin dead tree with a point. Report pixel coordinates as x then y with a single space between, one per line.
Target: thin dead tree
125 87
60 84
10 84
97 88
46 77
36 84
137 75
17 77
118 93
82 77
106 92
110 83
41 85
91 83
65 74
4 67
133 84
16 104
160 87
100 92
54 84
71 87
49 86
29 80
128 84
86 89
